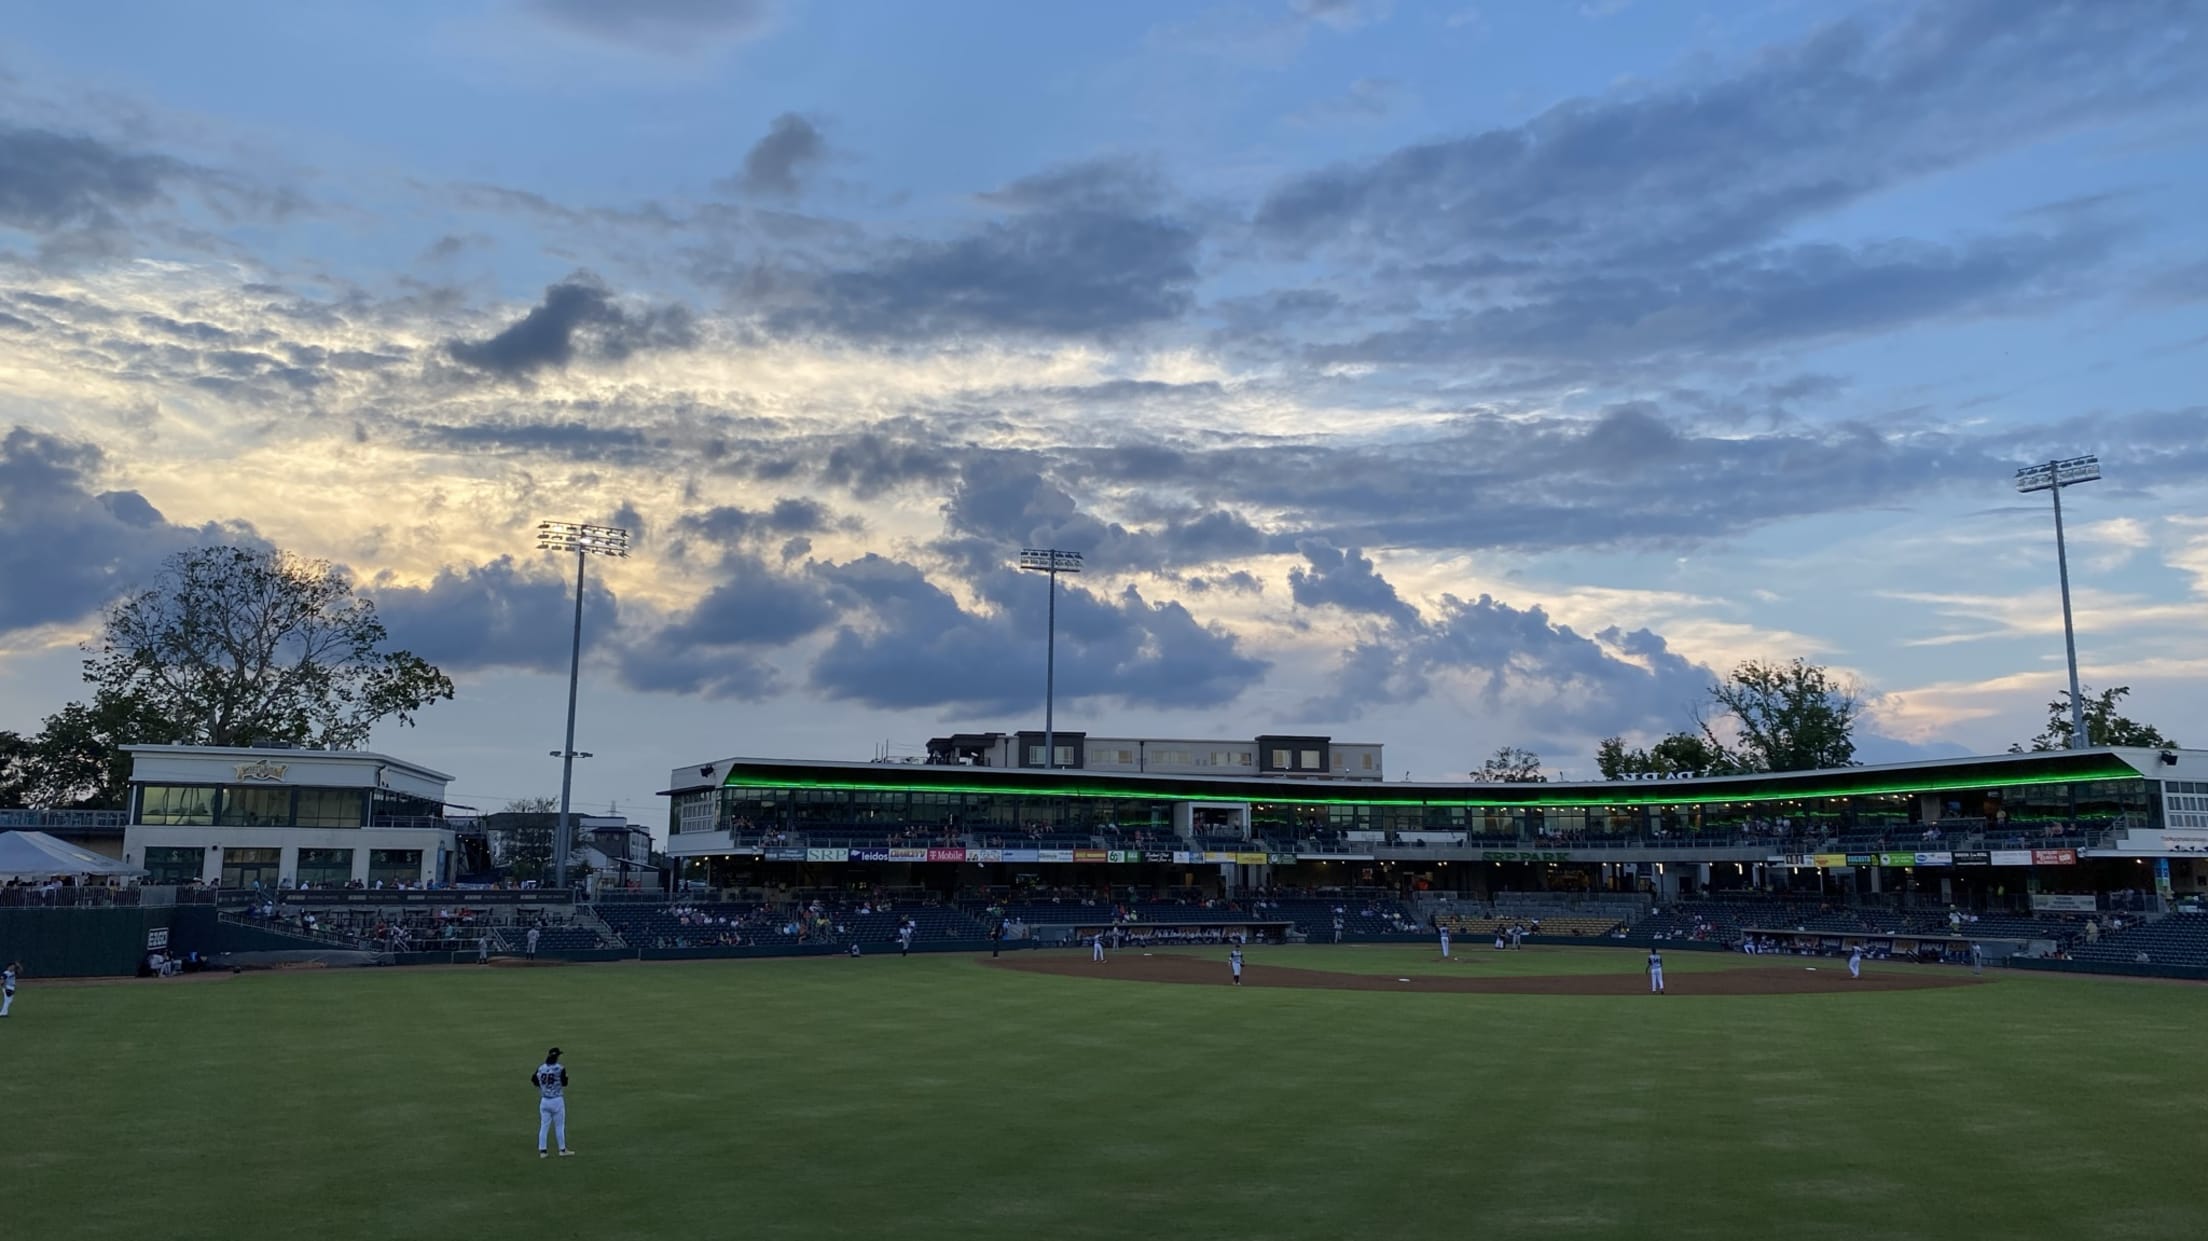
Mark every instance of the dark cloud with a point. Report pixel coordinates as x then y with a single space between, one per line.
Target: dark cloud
922 648
1705 165
1004 500
496 615
1333 577
577 316
1088 251
731 524
66 549
662 26
720 647
51 181
565 439
777 162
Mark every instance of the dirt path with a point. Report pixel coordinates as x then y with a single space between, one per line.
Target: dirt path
1133 966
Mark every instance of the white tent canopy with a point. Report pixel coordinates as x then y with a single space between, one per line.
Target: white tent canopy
36 855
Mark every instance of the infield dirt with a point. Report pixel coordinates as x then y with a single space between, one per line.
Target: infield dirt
1795 979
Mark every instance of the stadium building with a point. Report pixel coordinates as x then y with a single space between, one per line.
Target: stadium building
2074 820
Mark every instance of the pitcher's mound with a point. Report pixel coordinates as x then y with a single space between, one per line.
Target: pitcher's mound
1746 980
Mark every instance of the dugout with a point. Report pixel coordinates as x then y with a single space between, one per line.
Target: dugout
1931 949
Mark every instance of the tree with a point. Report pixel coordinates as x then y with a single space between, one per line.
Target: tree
231 646
2103 725
1794 716
1510 765
241 645
1676 754
527 837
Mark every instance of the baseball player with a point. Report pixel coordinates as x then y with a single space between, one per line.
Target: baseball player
8 979
904 940
1855 961
1445 942
1977 960
1096 946
1655 972
550 1079
1234 965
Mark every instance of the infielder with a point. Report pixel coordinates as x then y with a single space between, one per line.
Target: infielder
1855 961
1096 946
1445 943
550 1079
1655 972
1234 965
8 978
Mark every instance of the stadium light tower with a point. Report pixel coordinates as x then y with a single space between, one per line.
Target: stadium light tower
585 541
2052 478
1052 562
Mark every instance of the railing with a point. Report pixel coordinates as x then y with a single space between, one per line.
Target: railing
67 820
69 897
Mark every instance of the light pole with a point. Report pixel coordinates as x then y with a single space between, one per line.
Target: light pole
1052 562
585 541
2052 478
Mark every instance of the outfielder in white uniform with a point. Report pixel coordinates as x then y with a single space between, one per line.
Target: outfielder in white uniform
1855 962
1655 971
550 1079
8 979
1096 946
1445 943
1234 964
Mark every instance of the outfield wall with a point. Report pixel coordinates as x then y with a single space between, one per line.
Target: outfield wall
79 943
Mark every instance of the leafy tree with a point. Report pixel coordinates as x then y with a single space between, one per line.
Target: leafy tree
2104 725
527 837
1794 716
1679 752
242 645
1511 765
231 646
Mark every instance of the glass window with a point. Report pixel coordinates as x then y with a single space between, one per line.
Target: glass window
175 806
392 866
255 807
1310 761
331 868
329 808
1371 761
1283 760
245 868
175 864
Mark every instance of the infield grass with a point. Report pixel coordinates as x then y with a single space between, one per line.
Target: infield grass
933 1098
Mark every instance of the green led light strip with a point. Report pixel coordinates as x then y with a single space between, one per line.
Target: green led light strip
2117 771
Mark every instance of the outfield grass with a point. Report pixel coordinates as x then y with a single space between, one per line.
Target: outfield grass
933 1098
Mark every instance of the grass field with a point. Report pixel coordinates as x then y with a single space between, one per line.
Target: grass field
935 1098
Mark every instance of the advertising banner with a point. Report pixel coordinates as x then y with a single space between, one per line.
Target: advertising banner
1092 855
1333 857
1973 857
1160 855
870 855
946 855
1281 859
827 855
1826 861
1897 859
906 853
1119 857
2054 857
1184 857
2052 903
1022 855
1054 855
1526 855
1217 855
1251 859
985 855
2012 857
158 937
1859 859
786 853
1935 859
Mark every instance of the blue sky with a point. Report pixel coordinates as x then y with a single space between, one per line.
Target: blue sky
1450 375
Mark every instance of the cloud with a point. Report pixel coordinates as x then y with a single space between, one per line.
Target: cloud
577 315
1004 500
53 181
1332 577
674 27
67 550
776 163
496 615
1087 251
919 647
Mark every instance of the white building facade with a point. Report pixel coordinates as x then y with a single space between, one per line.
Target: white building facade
289 818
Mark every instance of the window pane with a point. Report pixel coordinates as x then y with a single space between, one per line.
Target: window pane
325 867
394 865
1311 761
174 864
329 808
256 807
175 806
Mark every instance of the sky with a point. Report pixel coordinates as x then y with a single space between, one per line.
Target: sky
1448 375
